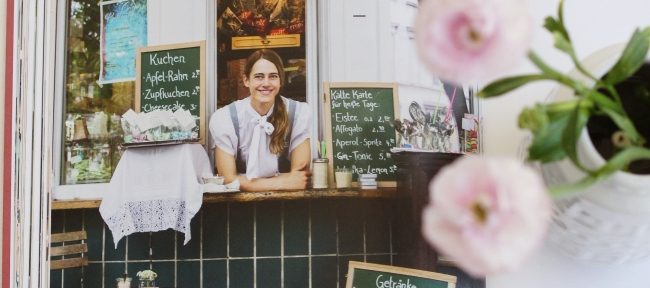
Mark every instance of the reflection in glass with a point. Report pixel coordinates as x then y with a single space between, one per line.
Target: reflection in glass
91 125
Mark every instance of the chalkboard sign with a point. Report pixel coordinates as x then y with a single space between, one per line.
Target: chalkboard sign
368 275
172 77
359 129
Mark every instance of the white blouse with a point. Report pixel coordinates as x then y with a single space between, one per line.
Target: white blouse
266 164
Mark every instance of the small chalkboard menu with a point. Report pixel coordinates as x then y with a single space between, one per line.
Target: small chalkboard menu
369 275
359 128
170 77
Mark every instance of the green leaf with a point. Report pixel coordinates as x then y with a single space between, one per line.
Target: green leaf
618 162
553 25
622 159
508 84
604 102
646 32
631 60
560 15
557 25
569 189
539 63
534 119
547 144
624 122
563 44
573 129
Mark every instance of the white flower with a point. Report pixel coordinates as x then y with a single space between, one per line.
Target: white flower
147 275
466 41
487 214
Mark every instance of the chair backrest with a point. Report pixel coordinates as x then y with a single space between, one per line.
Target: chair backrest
78 248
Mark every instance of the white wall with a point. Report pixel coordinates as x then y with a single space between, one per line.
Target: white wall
3 35
173 21
593 24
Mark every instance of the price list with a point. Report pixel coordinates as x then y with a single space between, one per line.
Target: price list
362 131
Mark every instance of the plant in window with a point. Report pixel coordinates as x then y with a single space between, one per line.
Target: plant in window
464 41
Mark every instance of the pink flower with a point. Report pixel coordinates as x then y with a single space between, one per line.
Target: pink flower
465 41
487 214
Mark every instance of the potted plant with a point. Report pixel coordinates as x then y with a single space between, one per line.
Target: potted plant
592 139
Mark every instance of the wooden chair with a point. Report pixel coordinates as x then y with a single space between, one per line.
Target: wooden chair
80 248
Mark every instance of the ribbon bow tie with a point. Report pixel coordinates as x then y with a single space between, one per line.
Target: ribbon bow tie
254 168
262 123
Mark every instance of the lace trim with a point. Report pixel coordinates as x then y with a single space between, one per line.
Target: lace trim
150 216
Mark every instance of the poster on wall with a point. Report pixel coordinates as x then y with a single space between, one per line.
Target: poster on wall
244 26
444 119
123 30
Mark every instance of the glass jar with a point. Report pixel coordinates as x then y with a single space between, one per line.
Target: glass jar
319 173
147 283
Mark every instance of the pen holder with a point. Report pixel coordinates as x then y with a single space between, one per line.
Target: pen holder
319 173
343 178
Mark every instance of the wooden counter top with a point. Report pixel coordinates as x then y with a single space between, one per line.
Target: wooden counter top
257 196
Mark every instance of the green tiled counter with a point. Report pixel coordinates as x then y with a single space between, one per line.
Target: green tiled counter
236 244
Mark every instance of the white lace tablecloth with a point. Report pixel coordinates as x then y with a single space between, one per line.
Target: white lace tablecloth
154 189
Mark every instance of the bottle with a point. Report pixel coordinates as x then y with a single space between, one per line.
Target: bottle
319 173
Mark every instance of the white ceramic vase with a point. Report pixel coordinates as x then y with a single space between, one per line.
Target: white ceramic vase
608 222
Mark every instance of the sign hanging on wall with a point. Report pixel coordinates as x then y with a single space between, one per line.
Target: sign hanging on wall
172 77
369 275
123 30
359 128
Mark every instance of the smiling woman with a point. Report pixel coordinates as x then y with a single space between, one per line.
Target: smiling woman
263 139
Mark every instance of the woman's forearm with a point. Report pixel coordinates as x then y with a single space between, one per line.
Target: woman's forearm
284 181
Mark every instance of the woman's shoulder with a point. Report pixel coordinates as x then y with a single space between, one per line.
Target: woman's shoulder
238 104
301 106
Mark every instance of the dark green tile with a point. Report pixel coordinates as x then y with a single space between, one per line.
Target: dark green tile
324 272
191 250
111 272
93 275
195 230
55 278
215 217
165 272
241 273
110 252
189 274
296 272
139 246
404 232
241 229
379 259
462 279
135 267
344 265
58 219
269 273
296 228
73 220
377 216
94 225
350 226
162 244
268 227
72 277
323 227
215 273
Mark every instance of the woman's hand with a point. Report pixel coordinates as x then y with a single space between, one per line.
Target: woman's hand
297 179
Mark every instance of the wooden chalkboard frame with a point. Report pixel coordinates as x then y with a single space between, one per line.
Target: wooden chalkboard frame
328 121
353 265
202 61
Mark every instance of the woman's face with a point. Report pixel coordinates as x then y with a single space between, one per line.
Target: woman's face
263 82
